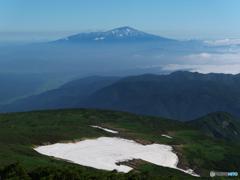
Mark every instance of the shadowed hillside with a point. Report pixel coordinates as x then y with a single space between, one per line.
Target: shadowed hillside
181 95
220 125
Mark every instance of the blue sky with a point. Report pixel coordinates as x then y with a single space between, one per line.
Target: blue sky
179 19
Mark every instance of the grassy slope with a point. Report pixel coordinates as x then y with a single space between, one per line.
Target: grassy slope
220 125
197 150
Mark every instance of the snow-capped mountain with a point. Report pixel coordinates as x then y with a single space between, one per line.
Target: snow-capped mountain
123 34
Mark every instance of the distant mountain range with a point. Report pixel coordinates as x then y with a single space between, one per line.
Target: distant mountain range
181 95
64 97
122 34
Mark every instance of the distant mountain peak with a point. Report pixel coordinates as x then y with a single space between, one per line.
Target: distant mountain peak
125 29
124 32
121 34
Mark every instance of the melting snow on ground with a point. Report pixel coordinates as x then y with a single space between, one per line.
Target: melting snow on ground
167 136
109 130
104 152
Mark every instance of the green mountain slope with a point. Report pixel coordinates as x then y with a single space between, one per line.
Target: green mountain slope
181 95
182 101
195 148
220 125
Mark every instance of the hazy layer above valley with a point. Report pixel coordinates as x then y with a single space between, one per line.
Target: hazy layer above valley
116 51
35 68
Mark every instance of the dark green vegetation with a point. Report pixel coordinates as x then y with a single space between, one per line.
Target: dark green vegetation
19 132
74 172
180 95
220 125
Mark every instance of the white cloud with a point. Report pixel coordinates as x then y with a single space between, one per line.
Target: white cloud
233 49
207 58
223 42
197 56
228 63
226 69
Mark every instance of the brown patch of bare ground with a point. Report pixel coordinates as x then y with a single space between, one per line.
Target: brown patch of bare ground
77 140
143 142
61 159
132 163
183 163
44 143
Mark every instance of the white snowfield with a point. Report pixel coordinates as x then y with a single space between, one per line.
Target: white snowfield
167 136
104 152
109 130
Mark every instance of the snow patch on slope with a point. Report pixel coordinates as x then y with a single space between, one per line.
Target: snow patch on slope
108 130
167 136
105 152
99 38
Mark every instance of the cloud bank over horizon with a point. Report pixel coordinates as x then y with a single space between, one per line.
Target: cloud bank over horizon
210 58
222 42
205 69
227 63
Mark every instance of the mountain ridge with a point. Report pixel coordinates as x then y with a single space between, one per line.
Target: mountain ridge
177 100
122 34
181 95
220 125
